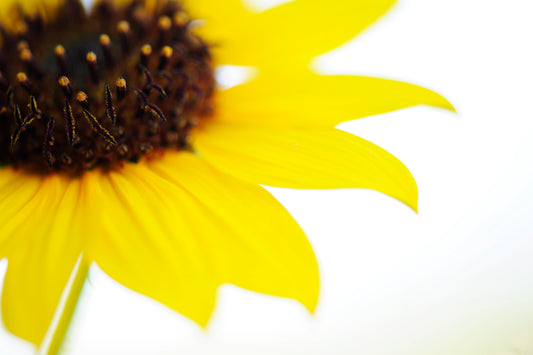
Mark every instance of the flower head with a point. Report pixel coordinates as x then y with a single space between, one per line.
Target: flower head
116 145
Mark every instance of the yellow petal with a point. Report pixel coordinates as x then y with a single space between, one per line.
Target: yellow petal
293 33
222 24
11 10
177 229
307 100
224 13
139 243
16 192
7 5
308 159
44 246
255 243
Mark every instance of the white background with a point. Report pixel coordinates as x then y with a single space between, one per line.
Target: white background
454 279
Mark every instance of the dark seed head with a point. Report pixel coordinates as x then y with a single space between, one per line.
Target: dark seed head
56 110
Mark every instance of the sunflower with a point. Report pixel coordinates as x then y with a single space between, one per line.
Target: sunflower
117 147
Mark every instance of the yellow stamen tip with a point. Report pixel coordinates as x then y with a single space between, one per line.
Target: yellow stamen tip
91 57
164 23
181 18
59 50
26 55
167 51
123 26
81 96
121 83
105 40
146 50
63 81
22 77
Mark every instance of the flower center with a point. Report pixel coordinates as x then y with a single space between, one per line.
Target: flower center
80 91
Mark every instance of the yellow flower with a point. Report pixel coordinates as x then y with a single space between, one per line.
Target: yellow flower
176 210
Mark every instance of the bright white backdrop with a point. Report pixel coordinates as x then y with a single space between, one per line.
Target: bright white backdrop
454 279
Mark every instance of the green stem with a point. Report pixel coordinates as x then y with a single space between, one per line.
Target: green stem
68 310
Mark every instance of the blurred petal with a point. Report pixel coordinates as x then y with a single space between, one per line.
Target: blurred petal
223 13
140 243
288 36
11 10
222 25
309 100
176 229
209 10
43 249
306 159
16 192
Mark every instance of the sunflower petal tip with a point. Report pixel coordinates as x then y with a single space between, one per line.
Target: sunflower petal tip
310 299
447 105
437 100
410 199
413 203
32 335
311 307
201 319
204 325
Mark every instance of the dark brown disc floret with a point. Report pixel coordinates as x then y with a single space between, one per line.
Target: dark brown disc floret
83 90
